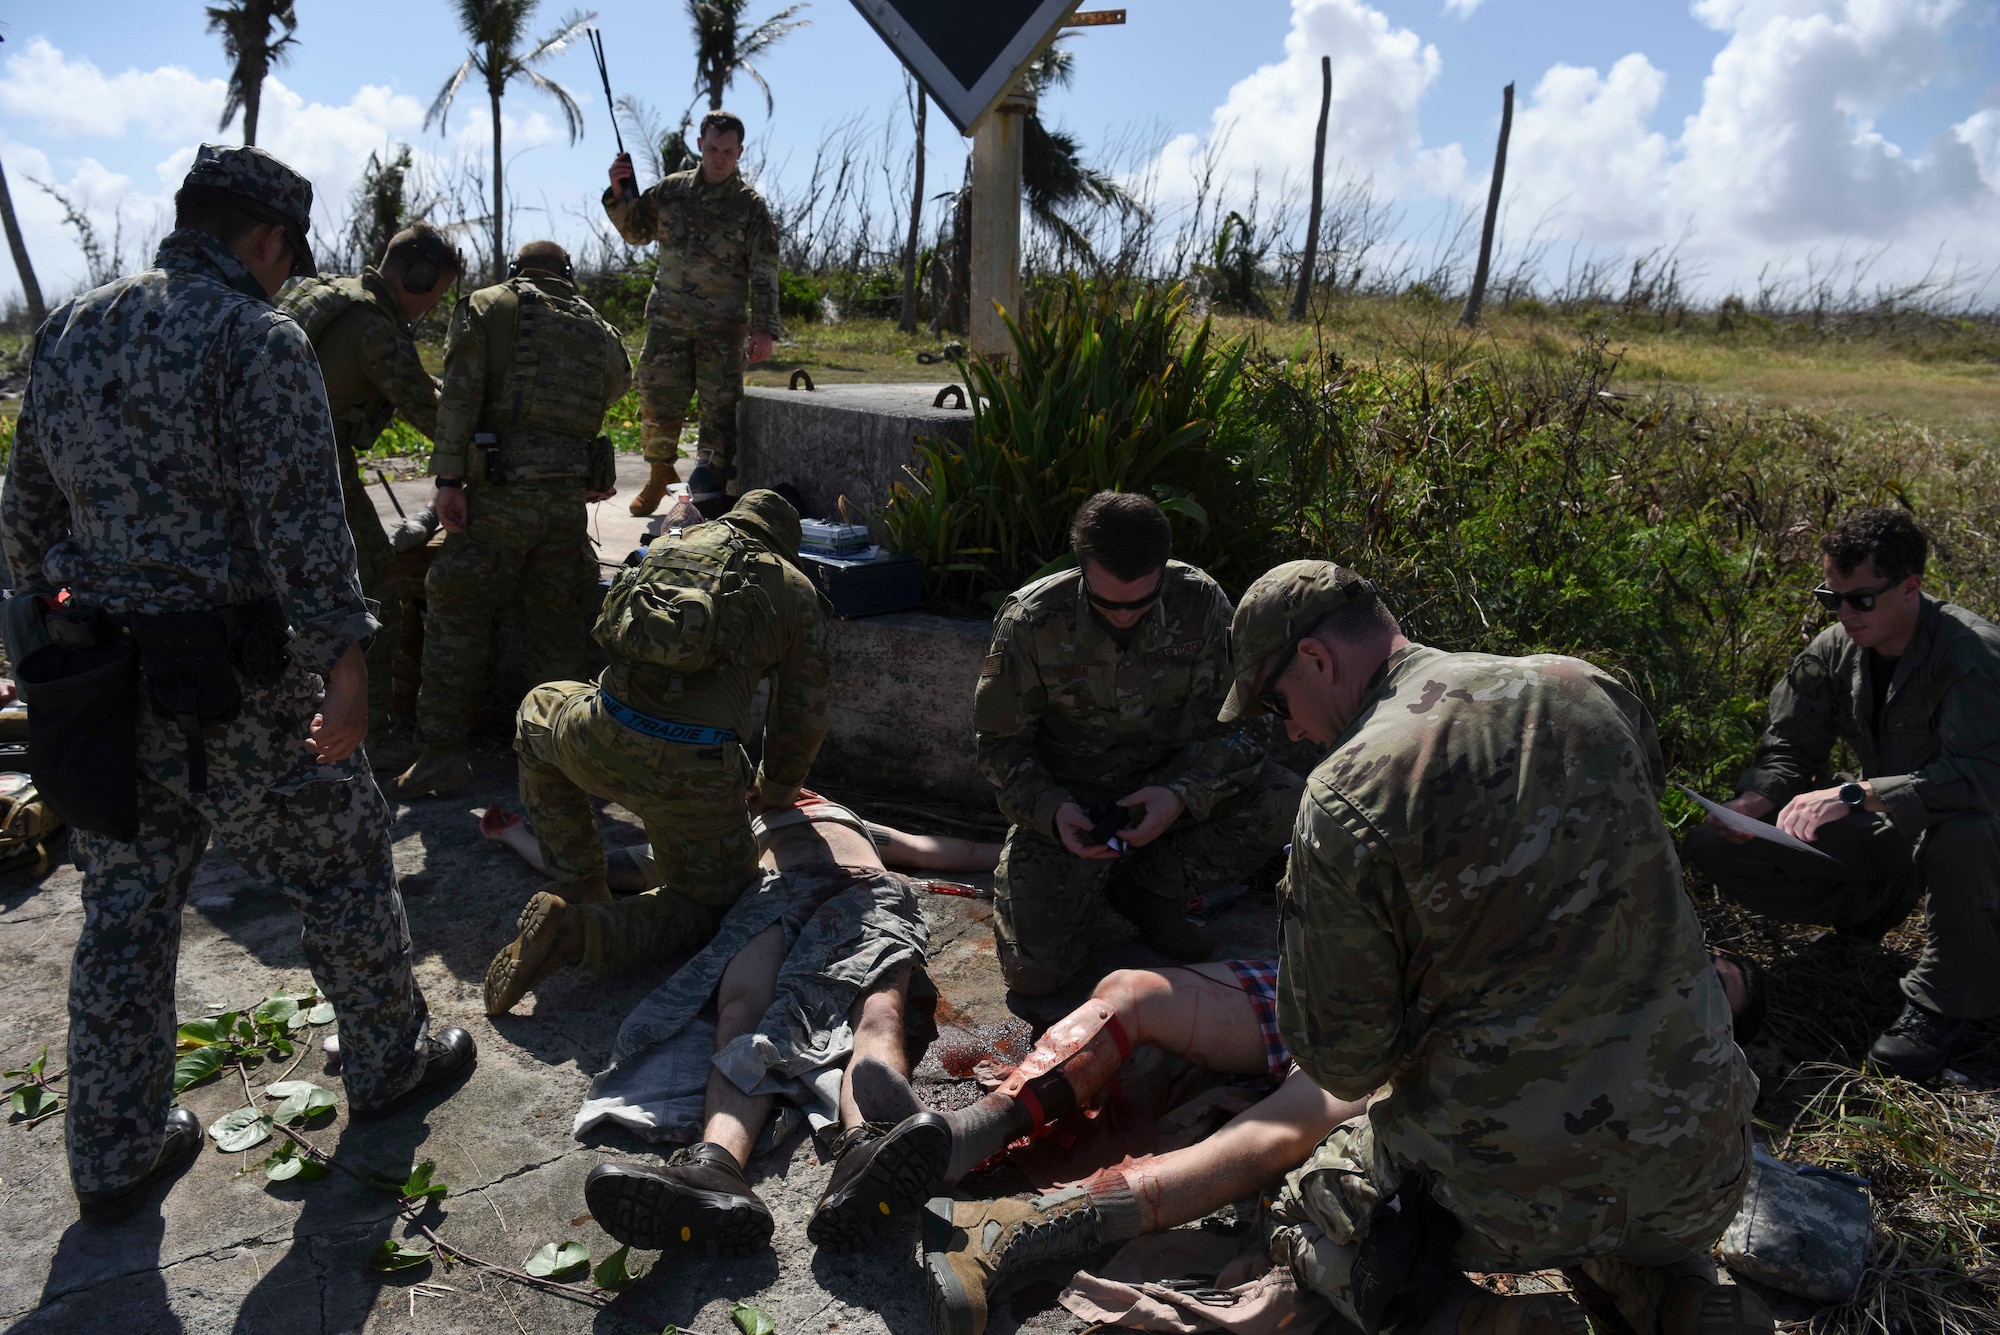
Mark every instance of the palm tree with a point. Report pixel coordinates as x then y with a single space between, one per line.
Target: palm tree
245 26
497 29
722 49
1055 180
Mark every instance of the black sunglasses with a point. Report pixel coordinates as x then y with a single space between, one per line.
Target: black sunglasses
1269 697
1861 600
1105 604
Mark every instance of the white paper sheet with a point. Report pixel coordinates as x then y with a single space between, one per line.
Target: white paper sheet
1756 829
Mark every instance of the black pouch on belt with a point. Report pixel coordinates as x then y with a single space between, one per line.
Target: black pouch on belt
82 692
186 660
1403 1269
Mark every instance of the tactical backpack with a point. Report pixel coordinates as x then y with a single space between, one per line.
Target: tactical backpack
544 394
317 304
688 605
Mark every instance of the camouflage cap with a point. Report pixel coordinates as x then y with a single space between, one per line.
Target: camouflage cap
1282 605
770 518
277 193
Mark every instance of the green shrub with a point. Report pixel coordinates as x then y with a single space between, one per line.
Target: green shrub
798 297
620 296
1095 397
868 294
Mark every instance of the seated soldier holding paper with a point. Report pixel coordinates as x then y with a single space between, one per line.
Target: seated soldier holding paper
1912 685
809 967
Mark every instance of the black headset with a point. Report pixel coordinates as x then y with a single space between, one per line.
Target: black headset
422 270
515 269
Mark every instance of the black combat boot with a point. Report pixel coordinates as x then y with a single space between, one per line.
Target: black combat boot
699 1200
1918 1045
447 1054
177 1151
882 1172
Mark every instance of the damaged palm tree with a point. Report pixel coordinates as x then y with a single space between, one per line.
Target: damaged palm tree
253 51
1055 180
722 49
498 29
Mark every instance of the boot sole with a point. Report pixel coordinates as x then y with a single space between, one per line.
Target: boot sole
907 1167
654 1214
525 961
951 1306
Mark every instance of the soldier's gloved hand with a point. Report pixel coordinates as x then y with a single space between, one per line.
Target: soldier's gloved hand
1163 806
342 721
449 502
1073 824
760 348
623 180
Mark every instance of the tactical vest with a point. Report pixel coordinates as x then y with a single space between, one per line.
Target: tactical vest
687 608
546 364
316 304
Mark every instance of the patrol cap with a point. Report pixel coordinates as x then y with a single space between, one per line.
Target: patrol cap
1282 605
770 518
274 192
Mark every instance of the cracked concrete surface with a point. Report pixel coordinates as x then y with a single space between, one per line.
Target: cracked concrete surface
226 1250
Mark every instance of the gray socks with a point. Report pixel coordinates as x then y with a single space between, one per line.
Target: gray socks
1118 1218
982 1131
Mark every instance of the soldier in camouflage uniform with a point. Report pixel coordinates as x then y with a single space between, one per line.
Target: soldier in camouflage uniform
529 369
718 250
174 456
1101 686
1483 926
363 331
1912 685
691 631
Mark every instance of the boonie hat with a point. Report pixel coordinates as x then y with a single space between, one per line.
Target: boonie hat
1282 605
770 518
275 193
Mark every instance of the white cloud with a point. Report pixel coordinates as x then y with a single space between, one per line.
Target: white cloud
1462 8
1582 158
1380 74
69 98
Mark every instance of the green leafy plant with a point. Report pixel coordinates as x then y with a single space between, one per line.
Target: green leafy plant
613 1274
240 1130
302 1100
559 1261
751 1320
269 1030
392 1254
288 1161
33 1094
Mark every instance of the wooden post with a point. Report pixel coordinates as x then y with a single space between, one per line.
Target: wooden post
1310 260
908 322
1477 297
996 222
31 291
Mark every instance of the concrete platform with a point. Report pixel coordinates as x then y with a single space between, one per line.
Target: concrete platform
226 1251
841 440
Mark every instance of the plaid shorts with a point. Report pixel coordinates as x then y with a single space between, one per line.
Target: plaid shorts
1260 984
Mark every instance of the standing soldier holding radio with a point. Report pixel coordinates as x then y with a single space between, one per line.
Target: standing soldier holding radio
174 474
529 369
718 249
363 330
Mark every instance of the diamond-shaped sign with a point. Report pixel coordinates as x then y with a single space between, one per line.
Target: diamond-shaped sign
966 53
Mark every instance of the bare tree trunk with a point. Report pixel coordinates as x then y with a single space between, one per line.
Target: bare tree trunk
1477 296
1309 262
908 322
715 83
253 100
30 289
499 196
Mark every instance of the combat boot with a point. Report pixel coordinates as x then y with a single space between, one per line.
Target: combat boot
1918 1045
1163 924
1471 1310
434 774
973 1248
395 751
1627 1299
549 936
700 1199
177 1151
655 490
882 1172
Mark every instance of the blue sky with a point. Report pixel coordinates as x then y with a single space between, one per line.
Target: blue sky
1765 131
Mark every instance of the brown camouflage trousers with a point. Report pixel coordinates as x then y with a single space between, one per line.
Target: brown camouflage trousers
1611 1229
319 835
381 580
674 367
1047 900
520 537
690 800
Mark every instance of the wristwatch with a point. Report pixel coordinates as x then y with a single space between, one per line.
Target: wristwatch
450 481
1855 796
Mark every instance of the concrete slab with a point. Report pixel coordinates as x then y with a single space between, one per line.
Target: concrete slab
225 1250
842 440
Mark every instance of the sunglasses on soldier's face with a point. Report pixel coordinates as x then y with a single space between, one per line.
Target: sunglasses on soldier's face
1270 697
1107 605
1861 600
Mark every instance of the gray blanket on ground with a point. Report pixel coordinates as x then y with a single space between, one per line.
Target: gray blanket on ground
845 931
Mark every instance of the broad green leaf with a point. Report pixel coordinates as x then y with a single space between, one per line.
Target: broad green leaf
31 1101
308 1102
320 1014
41 1060
559 1261
284 1089
191 1068
299 1020
240 1130
751 1320
280 1047
288 1161
393 1255
612 1274
202 1031
419 1182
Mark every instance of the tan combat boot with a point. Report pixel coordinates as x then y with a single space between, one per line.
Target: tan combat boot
973 1248
550 936
655 490
435 774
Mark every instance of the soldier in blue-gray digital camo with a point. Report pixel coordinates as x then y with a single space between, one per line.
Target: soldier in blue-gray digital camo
1482 931
174 471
